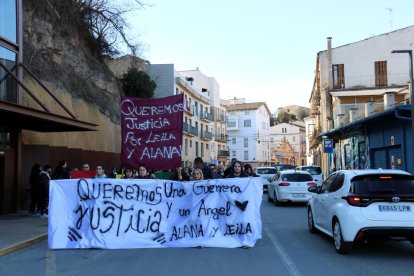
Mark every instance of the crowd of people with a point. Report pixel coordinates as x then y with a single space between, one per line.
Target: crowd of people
40 177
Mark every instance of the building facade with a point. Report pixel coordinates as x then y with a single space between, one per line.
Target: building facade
201 98
248 132
288 136
355 81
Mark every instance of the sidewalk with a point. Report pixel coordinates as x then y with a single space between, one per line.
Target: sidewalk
19 230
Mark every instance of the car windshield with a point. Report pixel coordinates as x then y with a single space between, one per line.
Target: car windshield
312 170
383 184
266 170
296 177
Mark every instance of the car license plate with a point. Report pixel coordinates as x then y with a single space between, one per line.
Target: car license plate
298 195
394 208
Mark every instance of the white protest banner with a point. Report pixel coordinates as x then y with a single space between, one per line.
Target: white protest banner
129 213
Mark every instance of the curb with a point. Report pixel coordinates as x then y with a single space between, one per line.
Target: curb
23 244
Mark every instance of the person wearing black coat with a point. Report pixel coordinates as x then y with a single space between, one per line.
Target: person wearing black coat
61 171
180 175
237 170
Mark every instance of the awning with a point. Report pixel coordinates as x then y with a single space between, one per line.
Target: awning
398 112
16 116
368 92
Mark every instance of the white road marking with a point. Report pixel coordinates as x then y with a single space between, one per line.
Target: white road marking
287 261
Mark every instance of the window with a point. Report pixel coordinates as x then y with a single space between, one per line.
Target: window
8 86
381 73
233 141
246 142
8 14
191 143
247 123
186 147
246 155
231 124
233 153
196 149
338 76
202 149
206 146
246 113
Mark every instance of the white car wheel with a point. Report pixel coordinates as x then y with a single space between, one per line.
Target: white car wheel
341 246
311 225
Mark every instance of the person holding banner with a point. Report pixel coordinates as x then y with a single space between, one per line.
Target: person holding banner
100 172
236 170
180 175
128 174
143 173
199 163
197 174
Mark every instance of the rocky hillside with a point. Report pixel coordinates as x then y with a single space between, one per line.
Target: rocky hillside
57 52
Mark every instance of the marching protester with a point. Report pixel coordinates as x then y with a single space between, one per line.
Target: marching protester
100 172
236 170
180 175
248 170
220 170
128 174
197 174
199 163
61 171
228 171
85 167
34 189
44 190
143 173
214 171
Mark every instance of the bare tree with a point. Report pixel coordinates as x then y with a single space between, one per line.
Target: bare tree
102 20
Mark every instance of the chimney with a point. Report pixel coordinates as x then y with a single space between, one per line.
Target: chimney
389 100
369 108
329 54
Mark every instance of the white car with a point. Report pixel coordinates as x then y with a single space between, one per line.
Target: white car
363 205
265 174
290 186
315 171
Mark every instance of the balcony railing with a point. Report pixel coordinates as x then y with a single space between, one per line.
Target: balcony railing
206 135
185 127
194 130
223 153
342 113
221 138
368 81
206 116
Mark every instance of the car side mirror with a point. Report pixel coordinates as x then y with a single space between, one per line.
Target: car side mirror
313 189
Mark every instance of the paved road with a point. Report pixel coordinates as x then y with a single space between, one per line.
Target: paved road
287 248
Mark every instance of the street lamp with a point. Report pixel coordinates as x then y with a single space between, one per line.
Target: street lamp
410 54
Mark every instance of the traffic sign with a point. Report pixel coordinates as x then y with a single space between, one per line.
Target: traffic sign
328 145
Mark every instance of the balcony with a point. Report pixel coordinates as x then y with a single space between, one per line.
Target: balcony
221 138
221 117
188 108
185 127
206 135
223 153
193 131
206 116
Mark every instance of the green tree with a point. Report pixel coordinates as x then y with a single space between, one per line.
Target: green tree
283 117
137 84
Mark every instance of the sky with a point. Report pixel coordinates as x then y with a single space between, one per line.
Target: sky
262 50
